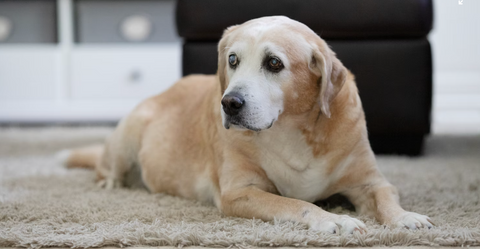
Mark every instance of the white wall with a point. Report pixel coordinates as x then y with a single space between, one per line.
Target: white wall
455 43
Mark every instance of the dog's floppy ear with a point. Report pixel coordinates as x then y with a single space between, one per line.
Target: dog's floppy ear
222 60
332 73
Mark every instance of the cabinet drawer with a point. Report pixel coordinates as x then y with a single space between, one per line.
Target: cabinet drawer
28 21
123 72
104 21
28 72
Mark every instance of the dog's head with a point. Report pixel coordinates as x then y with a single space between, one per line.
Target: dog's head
274 66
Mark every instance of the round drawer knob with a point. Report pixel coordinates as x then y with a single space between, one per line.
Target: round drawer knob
135 76
5 28
136 28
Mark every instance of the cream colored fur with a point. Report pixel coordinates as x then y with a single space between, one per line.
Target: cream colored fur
317 146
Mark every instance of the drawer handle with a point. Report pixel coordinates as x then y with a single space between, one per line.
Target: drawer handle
136 28
135 77
5 28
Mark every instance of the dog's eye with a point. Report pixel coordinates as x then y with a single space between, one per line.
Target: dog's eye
233 60
275 64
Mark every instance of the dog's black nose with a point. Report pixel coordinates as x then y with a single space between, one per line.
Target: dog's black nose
232 103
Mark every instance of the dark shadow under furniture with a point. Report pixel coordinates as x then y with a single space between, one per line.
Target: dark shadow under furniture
383 42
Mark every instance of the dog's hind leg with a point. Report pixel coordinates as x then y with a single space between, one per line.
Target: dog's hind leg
122 147
112 167
120 154
110 160
113 160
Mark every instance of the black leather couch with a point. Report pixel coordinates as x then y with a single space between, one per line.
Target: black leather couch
383 42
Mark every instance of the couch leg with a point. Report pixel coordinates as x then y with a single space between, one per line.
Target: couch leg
410 145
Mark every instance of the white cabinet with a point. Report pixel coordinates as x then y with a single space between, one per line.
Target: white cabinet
51 78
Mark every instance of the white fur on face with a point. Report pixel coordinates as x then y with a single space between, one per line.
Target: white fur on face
253 42
260 88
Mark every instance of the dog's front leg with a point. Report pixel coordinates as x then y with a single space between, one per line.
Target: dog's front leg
380 199
249 194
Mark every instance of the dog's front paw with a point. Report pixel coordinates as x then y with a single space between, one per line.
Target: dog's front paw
413 221
339 223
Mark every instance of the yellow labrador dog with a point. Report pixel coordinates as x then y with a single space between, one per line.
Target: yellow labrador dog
280 126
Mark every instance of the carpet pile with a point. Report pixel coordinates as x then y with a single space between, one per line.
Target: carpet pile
44 205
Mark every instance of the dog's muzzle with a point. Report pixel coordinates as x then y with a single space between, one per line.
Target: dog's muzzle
232 105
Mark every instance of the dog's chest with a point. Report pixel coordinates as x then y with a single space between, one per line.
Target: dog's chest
290 164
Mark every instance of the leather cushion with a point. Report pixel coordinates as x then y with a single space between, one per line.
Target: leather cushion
331 19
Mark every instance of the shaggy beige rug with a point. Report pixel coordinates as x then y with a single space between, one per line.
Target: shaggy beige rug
45 205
